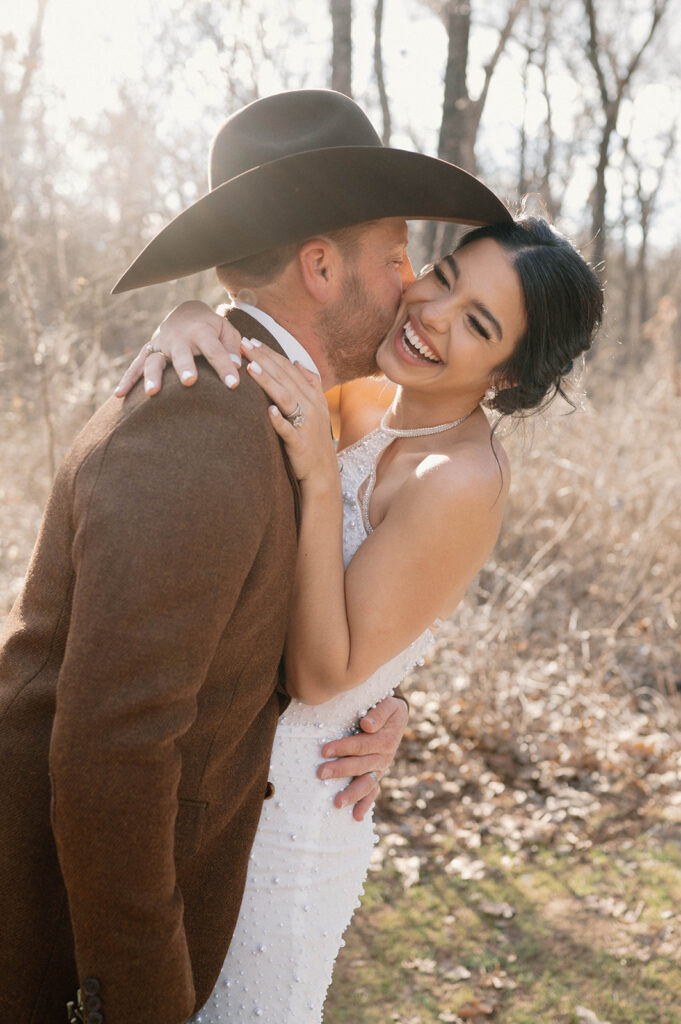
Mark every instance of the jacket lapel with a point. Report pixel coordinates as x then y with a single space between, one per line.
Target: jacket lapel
249 327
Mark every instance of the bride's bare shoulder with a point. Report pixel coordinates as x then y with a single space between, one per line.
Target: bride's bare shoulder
474 473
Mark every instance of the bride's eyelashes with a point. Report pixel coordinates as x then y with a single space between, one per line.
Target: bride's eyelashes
478 327
440 275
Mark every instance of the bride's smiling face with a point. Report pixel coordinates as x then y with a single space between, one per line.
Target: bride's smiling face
457 323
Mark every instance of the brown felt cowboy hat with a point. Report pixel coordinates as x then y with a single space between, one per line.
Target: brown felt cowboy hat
298 164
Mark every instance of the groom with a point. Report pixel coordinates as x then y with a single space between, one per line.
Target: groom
140 662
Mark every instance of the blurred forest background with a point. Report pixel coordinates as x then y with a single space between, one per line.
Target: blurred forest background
530 830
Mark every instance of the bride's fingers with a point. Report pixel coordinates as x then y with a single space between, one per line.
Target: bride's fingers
287 432
132 374
154 365
281 369
221 351
312 378
275 389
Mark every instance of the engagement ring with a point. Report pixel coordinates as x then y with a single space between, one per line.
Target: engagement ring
150 348
297 417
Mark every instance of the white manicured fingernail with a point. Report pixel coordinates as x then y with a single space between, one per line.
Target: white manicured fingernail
274 410
230 380
149 385
186 375
255 367
245 343
236 359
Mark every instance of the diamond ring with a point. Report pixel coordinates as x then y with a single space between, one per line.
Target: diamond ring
297 417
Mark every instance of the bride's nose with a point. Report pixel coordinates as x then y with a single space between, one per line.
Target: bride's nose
437 313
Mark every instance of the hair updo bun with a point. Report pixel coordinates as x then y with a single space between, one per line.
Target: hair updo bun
564 308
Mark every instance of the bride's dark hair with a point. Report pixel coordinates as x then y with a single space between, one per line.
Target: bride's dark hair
564 308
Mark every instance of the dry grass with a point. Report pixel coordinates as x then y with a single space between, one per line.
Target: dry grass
545 729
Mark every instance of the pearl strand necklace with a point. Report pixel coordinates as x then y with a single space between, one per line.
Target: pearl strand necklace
420 431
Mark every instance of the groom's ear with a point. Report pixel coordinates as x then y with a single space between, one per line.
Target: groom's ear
318 260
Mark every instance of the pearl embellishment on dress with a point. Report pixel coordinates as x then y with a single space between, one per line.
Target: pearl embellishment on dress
309 859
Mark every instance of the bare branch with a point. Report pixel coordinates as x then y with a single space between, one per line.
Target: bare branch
31 59
514 10
592 52
378 71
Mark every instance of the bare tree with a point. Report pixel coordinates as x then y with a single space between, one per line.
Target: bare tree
379 72
13 100
22 293
647 184
461 113
613 81
341 49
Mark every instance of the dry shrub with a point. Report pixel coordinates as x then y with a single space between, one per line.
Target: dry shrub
554 689
563 661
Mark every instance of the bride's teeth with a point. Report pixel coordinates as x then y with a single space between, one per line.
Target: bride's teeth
414 340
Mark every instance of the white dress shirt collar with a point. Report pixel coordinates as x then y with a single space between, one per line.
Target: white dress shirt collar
291 346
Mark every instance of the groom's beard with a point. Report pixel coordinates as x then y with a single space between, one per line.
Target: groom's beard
352 330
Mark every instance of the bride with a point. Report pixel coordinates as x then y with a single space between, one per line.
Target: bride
395 525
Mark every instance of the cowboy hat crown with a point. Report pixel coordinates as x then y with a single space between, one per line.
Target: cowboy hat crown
301 163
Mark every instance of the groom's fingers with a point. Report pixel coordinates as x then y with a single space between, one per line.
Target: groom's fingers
361 792
389 720
363 807
364 752
353 767
391 711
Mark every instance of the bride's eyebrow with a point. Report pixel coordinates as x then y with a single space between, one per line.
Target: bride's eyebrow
481 308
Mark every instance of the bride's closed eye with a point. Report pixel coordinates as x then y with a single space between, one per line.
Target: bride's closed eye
478 327
440 275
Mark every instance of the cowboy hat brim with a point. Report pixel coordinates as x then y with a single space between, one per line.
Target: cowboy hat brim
309 193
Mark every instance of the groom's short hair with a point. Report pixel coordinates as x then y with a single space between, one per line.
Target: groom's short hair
265 267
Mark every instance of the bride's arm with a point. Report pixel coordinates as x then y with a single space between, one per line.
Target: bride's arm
191 329
414 567
194 329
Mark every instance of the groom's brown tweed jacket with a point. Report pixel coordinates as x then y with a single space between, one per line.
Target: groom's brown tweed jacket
139 667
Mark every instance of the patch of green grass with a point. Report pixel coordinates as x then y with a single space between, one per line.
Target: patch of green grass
570 943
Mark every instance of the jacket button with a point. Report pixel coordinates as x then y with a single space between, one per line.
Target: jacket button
91 986
92 1003
269 791
95 1018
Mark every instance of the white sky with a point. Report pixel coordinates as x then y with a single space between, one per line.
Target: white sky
90 47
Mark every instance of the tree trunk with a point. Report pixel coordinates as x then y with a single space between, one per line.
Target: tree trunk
341 51
456 144
598 196
611 99
378 71
461 114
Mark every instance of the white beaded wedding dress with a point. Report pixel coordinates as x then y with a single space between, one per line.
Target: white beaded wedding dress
309 859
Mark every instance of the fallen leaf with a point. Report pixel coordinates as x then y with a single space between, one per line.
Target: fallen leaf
500 909
477 1008
588 1016
421 965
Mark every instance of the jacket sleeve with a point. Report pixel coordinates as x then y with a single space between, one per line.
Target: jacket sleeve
169 510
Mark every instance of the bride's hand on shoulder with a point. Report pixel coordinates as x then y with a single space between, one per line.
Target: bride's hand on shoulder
300 413
191 329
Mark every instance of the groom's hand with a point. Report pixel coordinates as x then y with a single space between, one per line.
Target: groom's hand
372 750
